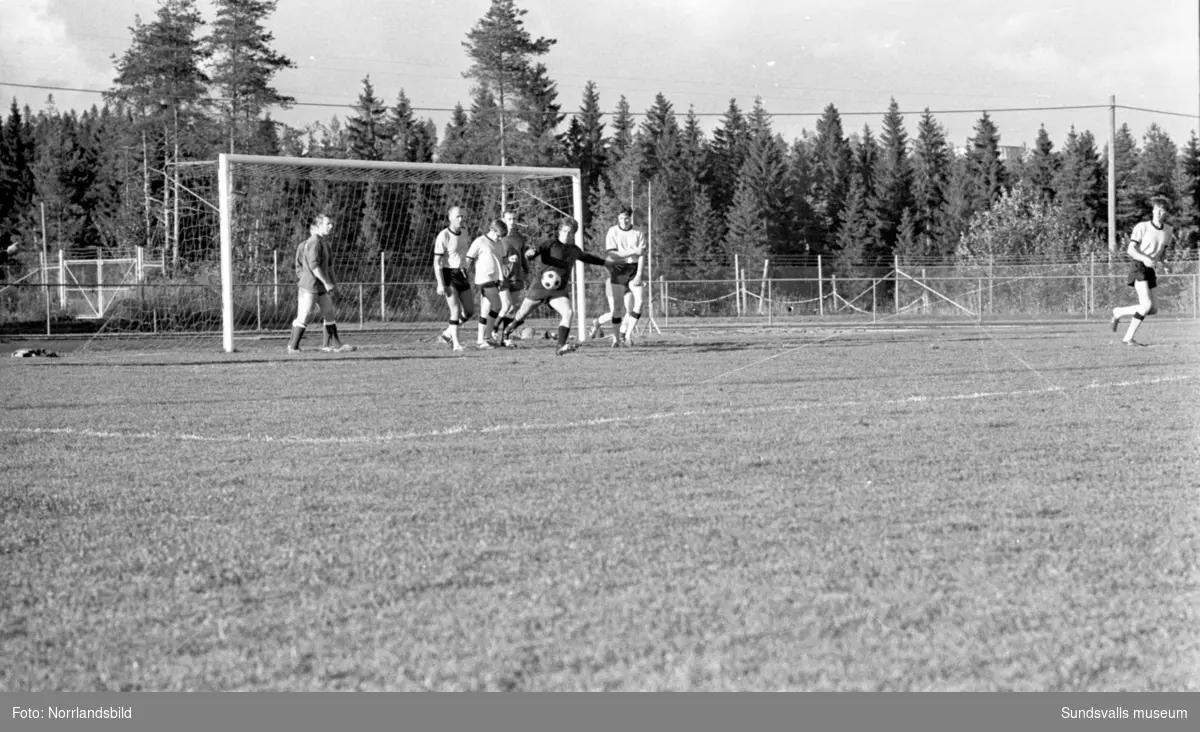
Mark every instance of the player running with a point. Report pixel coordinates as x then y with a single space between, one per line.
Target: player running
552 284
1147 246
449 255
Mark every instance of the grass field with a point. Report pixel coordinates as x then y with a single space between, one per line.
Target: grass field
951 508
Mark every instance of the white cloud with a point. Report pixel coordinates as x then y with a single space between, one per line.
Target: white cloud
36 48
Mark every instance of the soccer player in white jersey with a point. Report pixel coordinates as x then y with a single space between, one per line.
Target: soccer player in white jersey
1147 247
449 258
624 286
487 255
314 274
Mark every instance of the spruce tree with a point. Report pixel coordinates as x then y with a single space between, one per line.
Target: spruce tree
1188 185
1078 183
1157 164
727 153
984 168
368 129
623 127
1038 173
932 161
893 177
585 148
832 170
1131 195
454 147
745 228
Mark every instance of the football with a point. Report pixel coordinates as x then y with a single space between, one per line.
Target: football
551 280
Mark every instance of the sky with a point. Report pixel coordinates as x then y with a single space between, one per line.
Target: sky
954 57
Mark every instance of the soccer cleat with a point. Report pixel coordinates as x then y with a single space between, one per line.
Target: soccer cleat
568 348
616 342
484 346
628 342
443 338
293 350
596 331
458 347
1131 342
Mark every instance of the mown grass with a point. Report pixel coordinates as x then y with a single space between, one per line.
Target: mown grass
942 509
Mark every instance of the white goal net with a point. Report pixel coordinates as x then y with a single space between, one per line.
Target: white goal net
228 280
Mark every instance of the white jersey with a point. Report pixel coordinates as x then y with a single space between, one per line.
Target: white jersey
625 242
488 256
452 247
1151 240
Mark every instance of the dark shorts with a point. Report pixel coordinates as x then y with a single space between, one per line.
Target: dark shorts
512 285
537 293
455 278
620 273
1141 272
493 285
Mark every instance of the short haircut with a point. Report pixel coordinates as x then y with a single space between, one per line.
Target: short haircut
510 212
626 211
570 223
499 227
1161 201
316 217
450 211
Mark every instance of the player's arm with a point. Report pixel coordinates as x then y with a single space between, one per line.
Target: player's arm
312 253
589 258
438 252
641 262
1135 253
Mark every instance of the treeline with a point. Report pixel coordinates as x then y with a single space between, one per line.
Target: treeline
858 196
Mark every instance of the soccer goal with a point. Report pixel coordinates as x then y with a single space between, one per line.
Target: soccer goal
229 280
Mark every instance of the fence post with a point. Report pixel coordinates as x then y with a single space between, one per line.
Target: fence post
896 277
99 283
258 305
62 280
360 306
1196 298
46 286
762 287
666 304
737 286
1091 287
820 289
874 294
770 303
275 271
991 282
382 286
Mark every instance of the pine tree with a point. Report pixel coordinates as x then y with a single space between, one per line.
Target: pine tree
160 76
765 174
806 229
502 53
542 114
403 129
17 186
370 134
705 241
659 135
856 234
243 64
482 134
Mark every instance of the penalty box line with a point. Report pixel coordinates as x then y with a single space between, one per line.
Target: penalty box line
576 424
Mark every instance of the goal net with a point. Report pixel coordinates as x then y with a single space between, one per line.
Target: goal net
233 226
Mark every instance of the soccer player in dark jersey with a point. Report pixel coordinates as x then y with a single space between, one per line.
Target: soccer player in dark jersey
315 274
552 284
449 260
516 270
1147 247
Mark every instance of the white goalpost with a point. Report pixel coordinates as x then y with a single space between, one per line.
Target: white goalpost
239 219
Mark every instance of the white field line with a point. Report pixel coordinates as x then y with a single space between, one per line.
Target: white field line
577 424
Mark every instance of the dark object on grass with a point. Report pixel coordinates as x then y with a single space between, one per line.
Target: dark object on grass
34 353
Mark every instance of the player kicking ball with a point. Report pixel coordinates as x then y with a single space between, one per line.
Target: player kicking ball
553 284
1147 247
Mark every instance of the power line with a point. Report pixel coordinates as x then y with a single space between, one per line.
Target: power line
697 114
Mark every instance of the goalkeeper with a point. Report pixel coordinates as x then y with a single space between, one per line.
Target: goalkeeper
553 284
315 275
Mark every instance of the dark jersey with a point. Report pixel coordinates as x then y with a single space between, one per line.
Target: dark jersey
518 268
561 258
